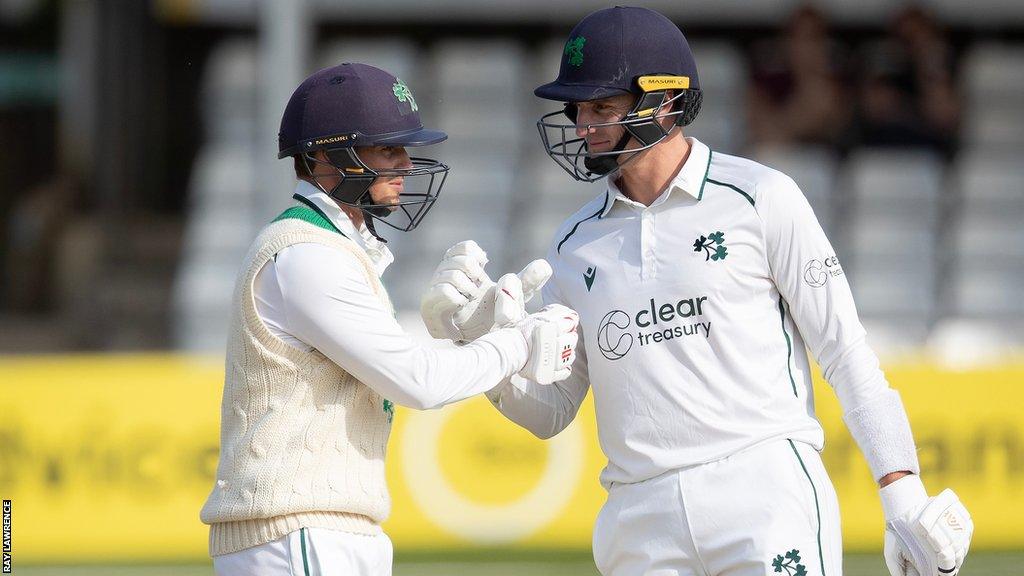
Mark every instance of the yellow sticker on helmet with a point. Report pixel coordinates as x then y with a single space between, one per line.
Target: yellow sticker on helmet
651 83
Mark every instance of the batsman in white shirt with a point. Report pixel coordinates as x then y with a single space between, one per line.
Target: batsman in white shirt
316 360
700 279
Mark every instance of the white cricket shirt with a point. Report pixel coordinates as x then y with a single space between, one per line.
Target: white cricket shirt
313 296
694 314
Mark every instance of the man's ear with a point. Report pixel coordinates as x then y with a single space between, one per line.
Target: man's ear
669 95
676 106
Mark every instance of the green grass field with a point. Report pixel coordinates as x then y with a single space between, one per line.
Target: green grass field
526 564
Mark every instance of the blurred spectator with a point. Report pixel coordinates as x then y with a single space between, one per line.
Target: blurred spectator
908 96
797 93
32 234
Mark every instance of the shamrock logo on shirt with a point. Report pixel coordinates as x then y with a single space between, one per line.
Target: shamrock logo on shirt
790 564
713 246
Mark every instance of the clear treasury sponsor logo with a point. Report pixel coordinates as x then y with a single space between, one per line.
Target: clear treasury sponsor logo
615 337
817 272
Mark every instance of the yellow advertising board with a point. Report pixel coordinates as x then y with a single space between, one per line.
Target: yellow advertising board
111 457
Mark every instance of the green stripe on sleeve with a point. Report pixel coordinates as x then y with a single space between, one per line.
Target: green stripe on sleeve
789 346
741 192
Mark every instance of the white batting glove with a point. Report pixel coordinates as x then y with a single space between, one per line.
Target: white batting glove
463 303
551 336
459 280
924 536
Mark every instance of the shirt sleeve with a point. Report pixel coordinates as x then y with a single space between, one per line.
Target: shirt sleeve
329 305
810 278
545 410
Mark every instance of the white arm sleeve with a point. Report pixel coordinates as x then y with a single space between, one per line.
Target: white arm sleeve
329 305
545 410
811 281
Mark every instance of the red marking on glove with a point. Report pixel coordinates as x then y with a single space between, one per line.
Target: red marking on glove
509 293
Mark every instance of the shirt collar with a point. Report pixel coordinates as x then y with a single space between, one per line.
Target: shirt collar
690 179
380 255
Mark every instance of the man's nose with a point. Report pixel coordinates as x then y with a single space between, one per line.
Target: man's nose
404 161
583 128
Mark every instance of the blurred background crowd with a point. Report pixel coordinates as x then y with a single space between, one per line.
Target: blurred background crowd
139 150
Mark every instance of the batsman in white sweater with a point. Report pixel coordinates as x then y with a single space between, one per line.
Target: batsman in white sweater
316 360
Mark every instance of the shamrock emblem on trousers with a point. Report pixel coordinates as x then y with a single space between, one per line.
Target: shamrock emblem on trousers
790 564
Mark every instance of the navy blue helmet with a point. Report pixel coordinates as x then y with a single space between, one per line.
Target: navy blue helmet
350 105
615 51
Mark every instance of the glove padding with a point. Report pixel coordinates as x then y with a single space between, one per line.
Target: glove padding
924 536
463 303
551 336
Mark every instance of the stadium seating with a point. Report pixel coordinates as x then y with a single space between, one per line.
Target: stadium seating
396 55
891 201
814 170
933 251
222 187
987 268
721 123
994 82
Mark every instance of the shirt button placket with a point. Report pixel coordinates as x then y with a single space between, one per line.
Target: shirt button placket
647 244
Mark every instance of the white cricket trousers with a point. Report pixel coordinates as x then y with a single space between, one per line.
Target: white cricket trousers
311 552
769 510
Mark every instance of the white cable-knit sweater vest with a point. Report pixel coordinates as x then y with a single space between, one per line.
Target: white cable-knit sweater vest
302 441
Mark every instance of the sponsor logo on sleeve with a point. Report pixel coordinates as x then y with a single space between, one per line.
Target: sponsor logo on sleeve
817 272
